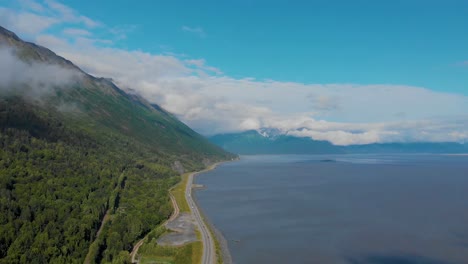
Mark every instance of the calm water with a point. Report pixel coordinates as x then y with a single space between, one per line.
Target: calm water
353 209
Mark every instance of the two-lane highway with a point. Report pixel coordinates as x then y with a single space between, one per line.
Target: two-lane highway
209 253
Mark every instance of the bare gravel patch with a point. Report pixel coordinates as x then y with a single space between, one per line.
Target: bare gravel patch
183 227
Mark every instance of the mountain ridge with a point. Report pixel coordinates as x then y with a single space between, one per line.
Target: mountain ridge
35 52
76 148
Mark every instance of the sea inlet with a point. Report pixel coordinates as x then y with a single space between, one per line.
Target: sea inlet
369 209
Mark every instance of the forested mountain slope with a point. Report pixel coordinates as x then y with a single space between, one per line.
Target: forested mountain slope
74 147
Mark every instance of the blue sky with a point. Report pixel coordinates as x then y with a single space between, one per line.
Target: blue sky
351 72
421 43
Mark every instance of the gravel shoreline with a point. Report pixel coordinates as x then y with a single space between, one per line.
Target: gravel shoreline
183 231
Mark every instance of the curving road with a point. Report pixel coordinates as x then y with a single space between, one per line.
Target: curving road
175 213
209 252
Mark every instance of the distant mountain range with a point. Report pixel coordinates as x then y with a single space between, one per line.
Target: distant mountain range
272 142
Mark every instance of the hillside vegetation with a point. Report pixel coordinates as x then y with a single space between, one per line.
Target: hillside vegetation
78 152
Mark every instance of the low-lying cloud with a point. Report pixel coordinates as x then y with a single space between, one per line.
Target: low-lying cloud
38 79
211 102
343 114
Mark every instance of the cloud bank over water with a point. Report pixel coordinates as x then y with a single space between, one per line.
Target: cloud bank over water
212 102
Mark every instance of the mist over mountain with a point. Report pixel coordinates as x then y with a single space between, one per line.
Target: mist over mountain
105 106
77 150
32 72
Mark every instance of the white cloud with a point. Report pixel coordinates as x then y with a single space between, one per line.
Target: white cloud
215 104
340 137
37 78
26 23
62 9
202 67
120 32
211 102
76 32
323 102
51 41
67 14
32 5
194 30
35 17
89 22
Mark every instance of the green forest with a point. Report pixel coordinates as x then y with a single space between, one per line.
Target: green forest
85 170
56 186
58 183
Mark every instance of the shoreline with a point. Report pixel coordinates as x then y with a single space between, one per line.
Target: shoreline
217 235
218 239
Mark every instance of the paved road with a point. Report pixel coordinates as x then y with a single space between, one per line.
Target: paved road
209 253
